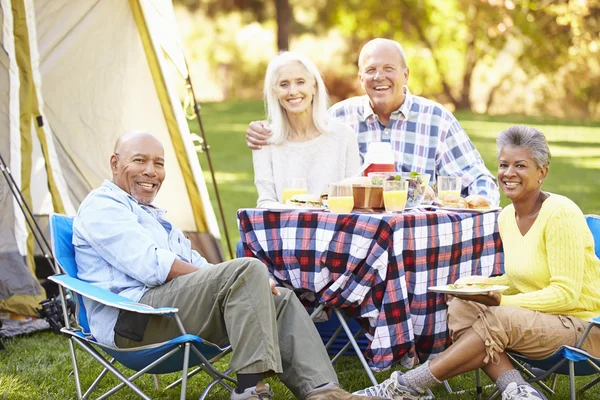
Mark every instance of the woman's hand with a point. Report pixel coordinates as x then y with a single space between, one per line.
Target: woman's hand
491 299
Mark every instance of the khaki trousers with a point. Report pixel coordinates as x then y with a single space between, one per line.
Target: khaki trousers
533 334
232 303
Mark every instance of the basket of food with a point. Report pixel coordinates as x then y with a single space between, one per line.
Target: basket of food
418 185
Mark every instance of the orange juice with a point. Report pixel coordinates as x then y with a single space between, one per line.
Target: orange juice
395 200
288 193
341 204
443 193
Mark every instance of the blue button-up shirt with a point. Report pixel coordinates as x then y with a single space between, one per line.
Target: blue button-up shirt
124 247
425 137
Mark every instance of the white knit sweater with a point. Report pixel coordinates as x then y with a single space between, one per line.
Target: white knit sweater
330 157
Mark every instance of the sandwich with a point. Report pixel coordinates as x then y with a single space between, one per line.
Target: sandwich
305 200
472 282
452 201
477 202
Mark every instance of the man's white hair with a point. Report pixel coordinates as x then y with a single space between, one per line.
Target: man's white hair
276 115
380 41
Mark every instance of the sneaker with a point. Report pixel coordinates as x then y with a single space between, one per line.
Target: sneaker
523 391
391 389
331 391
262 391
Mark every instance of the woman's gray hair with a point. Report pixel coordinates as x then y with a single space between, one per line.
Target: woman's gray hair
528 138
276 115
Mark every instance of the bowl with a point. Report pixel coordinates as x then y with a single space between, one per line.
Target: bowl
417 183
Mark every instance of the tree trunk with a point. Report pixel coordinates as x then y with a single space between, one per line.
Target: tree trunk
284 20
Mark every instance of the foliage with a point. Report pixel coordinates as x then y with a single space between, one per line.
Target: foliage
450 39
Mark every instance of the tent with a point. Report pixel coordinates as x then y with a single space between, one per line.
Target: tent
74 76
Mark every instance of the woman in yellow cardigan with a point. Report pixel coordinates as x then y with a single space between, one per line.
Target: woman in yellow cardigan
550 268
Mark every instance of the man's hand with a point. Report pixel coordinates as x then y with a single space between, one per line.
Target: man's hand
258 134
180 268
491 299
274 290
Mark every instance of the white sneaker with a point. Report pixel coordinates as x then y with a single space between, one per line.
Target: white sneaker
391 389
261 391
523 391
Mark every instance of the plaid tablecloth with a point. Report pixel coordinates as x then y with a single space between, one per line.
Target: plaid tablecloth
377 267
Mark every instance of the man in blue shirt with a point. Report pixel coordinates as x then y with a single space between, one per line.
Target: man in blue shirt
424 136
126 245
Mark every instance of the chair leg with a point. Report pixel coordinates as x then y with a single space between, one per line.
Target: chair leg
75 368
186 360
572 379
359 354
102 374
478 386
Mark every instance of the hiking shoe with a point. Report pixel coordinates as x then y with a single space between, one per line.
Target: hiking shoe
391 389
523 391
262 391
331 391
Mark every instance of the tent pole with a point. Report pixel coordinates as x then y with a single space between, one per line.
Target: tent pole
29 217
205 149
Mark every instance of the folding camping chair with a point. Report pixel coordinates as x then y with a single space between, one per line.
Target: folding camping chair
174 355
567 360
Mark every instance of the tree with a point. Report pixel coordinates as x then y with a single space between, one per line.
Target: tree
450 39
258 10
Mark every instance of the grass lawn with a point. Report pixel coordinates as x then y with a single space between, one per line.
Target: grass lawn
38 366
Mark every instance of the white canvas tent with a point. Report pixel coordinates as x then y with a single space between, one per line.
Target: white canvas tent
75 75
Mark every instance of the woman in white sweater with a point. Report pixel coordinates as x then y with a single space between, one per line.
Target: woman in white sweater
306 143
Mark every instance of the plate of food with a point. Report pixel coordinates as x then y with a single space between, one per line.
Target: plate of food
468 288
473 210
473 203
300 202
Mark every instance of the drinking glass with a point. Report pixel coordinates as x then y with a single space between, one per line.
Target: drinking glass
395 194
291 187
341 198
449 185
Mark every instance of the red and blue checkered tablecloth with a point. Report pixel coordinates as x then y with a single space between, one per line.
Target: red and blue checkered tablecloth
377 267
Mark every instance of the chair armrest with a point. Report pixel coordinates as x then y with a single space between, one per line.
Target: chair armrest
107 297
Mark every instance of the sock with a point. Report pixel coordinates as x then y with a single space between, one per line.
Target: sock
512 375
246 381
419 379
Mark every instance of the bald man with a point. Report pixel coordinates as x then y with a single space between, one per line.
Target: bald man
126 245
424 136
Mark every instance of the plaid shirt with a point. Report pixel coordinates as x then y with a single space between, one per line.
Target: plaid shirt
377 268
425 138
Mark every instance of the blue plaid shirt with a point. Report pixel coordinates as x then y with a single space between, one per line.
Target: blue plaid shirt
425 138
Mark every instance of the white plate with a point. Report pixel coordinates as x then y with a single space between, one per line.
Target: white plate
468 291
472 210
288 208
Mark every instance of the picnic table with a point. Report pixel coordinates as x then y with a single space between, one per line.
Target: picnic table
377 268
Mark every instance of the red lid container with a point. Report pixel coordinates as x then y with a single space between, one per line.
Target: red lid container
380 168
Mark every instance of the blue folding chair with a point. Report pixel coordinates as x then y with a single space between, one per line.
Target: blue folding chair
567 360
178 354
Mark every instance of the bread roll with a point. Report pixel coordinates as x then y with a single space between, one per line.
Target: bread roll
477 202
452 201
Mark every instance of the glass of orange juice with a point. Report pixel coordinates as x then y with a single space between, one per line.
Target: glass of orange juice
340 199
395 194
449 185
293 186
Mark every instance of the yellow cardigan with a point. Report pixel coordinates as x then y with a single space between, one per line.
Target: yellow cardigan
552 268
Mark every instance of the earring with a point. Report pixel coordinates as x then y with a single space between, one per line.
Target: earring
540 181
